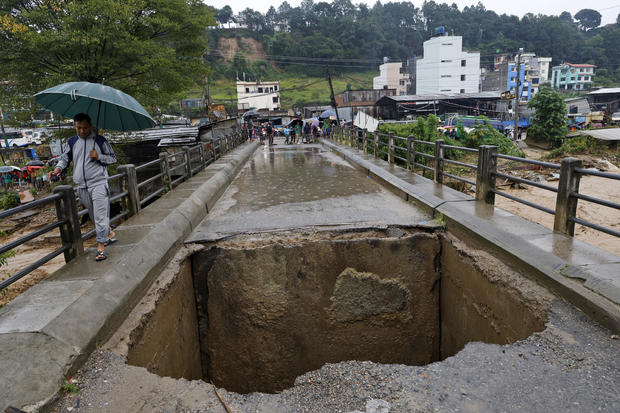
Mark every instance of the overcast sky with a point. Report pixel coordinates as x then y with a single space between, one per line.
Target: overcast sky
609 9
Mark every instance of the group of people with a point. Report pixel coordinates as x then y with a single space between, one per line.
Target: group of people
263 131
305 131
308 133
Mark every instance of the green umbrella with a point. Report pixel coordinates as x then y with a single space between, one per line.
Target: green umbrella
107 107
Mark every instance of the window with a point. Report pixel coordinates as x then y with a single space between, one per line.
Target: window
462 77
462 90
275 100
247 90
446 61
402 82
446 44
260 90
446 90
271 89
403 70
446 76
463 63
275 88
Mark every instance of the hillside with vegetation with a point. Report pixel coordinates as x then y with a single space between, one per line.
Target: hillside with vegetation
353 38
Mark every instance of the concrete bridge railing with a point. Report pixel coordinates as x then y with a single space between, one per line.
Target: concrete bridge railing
132 188
432 157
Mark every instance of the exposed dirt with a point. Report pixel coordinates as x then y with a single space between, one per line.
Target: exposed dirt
601 188
229 46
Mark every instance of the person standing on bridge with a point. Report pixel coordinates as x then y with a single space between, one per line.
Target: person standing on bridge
91 154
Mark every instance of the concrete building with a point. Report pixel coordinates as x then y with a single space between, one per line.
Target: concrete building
446 68
534 72
568 76
361 100
393 76
258 95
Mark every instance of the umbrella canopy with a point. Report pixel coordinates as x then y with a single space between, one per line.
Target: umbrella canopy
108 108
327 113
294 122
8 168
251 113
35 163
312 121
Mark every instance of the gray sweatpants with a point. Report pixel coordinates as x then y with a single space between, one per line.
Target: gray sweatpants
97 201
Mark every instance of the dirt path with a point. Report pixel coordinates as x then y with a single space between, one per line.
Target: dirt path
601 188
589 185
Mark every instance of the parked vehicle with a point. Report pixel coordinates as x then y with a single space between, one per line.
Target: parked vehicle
21 139
615 118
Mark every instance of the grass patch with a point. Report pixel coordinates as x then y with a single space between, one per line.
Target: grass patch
296 89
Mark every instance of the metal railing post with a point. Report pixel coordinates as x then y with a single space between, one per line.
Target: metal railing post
485 175
165 169
565 204
376 143
131 185
410 153
391 148
439 154
66 210
201 151
188 160
365 140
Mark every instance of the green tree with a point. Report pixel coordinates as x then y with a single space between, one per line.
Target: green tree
588 19
151 49
549 122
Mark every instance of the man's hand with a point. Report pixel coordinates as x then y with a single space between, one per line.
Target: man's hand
93 154
55 172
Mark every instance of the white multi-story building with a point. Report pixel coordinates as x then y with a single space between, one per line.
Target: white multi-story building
258 95
446 68
393 76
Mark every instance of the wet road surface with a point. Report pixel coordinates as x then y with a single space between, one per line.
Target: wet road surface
303 186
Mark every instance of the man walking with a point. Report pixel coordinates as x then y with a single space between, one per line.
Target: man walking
91 154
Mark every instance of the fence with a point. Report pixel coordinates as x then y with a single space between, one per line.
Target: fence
410 154
131 194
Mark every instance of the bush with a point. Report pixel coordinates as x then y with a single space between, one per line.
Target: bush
485 134
579 144
8 200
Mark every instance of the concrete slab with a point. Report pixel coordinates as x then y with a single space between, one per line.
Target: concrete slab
31 311
32 366
149 216
305 187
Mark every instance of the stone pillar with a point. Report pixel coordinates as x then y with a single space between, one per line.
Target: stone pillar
66 210
565 204
391 148
188 162
365 140
165 170
439 154
131 185
410 153
485 175
376 143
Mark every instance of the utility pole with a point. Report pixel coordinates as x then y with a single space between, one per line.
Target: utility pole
517 94
6 141
331 88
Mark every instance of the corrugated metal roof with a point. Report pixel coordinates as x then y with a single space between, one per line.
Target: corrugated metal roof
415 98
155 134
605 90
612 134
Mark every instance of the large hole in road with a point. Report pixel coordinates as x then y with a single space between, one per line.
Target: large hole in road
254 314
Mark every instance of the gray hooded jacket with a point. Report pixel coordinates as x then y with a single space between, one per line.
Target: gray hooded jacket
88 172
